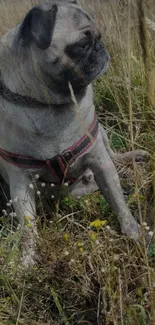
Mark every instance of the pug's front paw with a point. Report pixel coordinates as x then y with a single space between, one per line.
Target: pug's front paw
130 227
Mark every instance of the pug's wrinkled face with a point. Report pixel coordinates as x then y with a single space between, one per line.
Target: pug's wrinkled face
66 43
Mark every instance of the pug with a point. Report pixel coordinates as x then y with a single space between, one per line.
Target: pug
49 131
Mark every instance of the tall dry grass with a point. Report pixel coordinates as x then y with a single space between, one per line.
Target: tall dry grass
86 276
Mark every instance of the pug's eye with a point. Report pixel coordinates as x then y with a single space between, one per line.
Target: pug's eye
79 48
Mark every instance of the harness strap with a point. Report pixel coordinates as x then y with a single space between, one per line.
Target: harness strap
58 165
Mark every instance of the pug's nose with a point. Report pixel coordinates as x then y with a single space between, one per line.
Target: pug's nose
98 35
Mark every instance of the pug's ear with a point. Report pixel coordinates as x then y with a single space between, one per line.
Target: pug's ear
38 27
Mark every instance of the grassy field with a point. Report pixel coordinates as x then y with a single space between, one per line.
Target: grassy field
89 273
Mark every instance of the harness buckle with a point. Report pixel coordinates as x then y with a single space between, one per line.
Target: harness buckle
67 156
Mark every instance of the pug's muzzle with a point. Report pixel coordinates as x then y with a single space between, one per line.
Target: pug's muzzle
91 60
98 61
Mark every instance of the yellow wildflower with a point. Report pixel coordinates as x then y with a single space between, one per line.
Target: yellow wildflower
66 237
93 236
27 218
98 223
81 249
80 244
28 225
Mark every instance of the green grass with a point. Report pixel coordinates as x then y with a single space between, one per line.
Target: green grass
85 276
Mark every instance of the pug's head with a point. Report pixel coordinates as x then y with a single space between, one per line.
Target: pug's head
66 44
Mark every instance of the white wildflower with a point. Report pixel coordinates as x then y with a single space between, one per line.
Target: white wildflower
150 233
15 199
72 260
66 253
144 224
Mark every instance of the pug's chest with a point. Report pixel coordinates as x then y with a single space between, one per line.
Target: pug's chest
49 147
50 152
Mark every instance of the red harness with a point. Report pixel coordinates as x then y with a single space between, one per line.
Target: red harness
58 165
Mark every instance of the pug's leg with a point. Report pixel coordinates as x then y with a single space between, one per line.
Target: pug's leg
106 143
105 174
137 155
26 211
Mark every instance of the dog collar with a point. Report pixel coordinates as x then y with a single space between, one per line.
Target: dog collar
17 99
58 165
